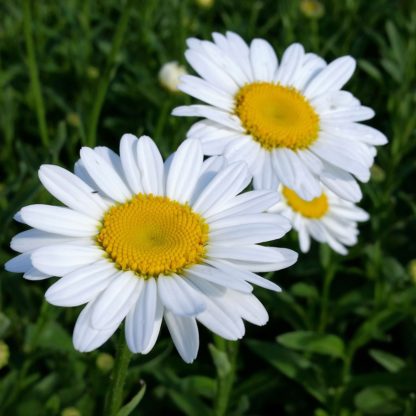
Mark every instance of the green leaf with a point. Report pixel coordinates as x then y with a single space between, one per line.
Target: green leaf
304 290
309 341
4 324
221 360
134 402
190 405
292 365
378 400
389 361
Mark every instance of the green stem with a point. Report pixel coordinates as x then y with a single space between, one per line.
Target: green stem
225 382
114 399
323 320
107 75
34 73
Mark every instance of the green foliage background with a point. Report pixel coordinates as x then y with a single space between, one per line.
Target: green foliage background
341 339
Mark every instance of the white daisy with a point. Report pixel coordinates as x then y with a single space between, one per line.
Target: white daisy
326 218
290 122
145 240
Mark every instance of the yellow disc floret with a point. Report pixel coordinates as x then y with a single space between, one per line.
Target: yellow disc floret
314 209
152 235
277 116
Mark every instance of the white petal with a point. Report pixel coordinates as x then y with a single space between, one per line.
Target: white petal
291 63
248 229
212 274
210 71
204 91
214 137
226 184
312 65
350 213
82 285
248 306
61 259
251 202
144 319
178 296
33 239
341 183
184 171
112 306
333 77
209 170
151 166
263 60
347 115
239 51
86 338
255 258
71 191
304 239
224 62
19 264
184 333
35 274
59 220
295 174
104 175
219 317
365 134
340 155
244 149
227 119
246 275
266 177
128 156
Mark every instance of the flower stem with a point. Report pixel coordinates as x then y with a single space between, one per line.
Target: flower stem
34 73
329 275
107 75
225 380
114 399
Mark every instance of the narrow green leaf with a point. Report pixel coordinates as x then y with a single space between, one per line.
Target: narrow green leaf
309 341
378 400
292 365
389 361
220 359
134 402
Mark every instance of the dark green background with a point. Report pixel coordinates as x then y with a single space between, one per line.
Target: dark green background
358 356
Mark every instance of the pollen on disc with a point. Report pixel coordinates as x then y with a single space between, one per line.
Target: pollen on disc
152 235
314 209
277 116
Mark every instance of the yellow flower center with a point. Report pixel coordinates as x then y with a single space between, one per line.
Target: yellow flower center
152 235
314 209
277 116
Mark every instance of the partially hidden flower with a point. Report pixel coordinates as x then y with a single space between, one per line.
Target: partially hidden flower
170 74
145 240
326 218
313 9
290 121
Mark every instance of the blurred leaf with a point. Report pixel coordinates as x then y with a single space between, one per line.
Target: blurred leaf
389 361
326 344
133 403
378 400
220 359
292 365
304 290
4 324
189 405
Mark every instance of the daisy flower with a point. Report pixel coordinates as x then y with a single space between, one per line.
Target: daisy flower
145 240
291 122
326 218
